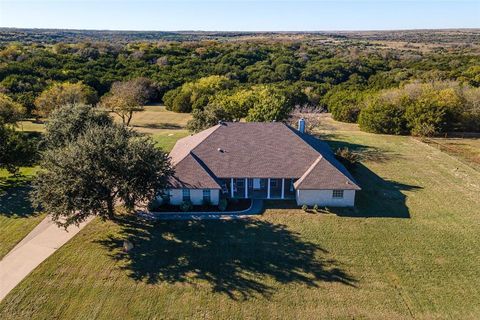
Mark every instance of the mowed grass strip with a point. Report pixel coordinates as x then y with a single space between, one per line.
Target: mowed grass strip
17 217
409 250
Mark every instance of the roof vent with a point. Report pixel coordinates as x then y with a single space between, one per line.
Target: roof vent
221 122
220 150
301 125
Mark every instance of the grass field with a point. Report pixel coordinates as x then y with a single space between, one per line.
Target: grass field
466 149
164 126
17 218
409 250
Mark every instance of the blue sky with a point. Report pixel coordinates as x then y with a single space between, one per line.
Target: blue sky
247 15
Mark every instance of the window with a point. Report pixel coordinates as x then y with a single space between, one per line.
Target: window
186 194
240 183
256 183
337 194
273 183
206 195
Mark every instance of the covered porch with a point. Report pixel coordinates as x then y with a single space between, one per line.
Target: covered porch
259 188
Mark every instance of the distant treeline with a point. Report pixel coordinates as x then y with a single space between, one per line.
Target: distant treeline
51 36
257 79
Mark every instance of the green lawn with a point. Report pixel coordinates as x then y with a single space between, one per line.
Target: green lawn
166 139
410 250
17 217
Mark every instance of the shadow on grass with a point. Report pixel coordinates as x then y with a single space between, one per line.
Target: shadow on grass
14 197
171 126
378 197
238 258
366 153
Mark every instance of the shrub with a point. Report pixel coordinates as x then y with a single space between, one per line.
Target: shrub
305 208
206 203
315 208
347 157
154 205
222 204
345 105
186 206
425 118
381 116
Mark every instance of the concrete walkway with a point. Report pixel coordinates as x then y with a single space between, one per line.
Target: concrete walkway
37 246
255 208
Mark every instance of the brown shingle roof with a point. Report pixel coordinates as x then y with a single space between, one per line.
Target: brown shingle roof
190 173
323 175
256 150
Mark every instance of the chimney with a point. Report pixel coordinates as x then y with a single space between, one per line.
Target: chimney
301 125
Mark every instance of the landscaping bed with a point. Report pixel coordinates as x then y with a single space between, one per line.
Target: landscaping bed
232 206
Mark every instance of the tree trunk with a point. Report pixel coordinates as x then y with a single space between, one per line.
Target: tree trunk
110 209
130 115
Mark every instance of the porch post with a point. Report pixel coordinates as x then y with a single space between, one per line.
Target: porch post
283 188
246 188
231 187
268 189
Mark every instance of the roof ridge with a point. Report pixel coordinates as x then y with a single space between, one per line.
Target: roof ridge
310 169
217 126
316 163
298 135
197 144
202 165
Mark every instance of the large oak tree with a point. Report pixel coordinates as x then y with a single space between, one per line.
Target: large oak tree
90 174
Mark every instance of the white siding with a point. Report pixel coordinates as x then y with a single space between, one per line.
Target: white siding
196 196
324 198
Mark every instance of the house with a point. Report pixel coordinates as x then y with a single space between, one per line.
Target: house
259 161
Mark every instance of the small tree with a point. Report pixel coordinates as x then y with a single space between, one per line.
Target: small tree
271 104
15 149
10 111
106 165
61 94
128 97
210 116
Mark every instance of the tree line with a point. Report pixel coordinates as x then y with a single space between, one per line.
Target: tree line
385 90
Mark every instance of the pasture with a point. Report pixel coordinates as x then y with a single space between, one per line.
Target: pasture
409 250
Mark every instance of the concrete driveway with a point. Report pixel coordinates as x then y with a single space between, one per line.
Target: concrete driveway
37 246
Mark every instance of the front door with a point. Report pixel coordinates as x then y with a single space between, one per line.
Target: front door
256 184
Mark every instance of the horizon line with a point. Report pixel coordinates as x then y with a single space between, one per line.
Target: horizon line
248 31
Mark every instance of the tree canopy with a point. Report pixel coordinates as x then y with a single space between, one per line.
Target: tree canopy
10 111
60 94
67 123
